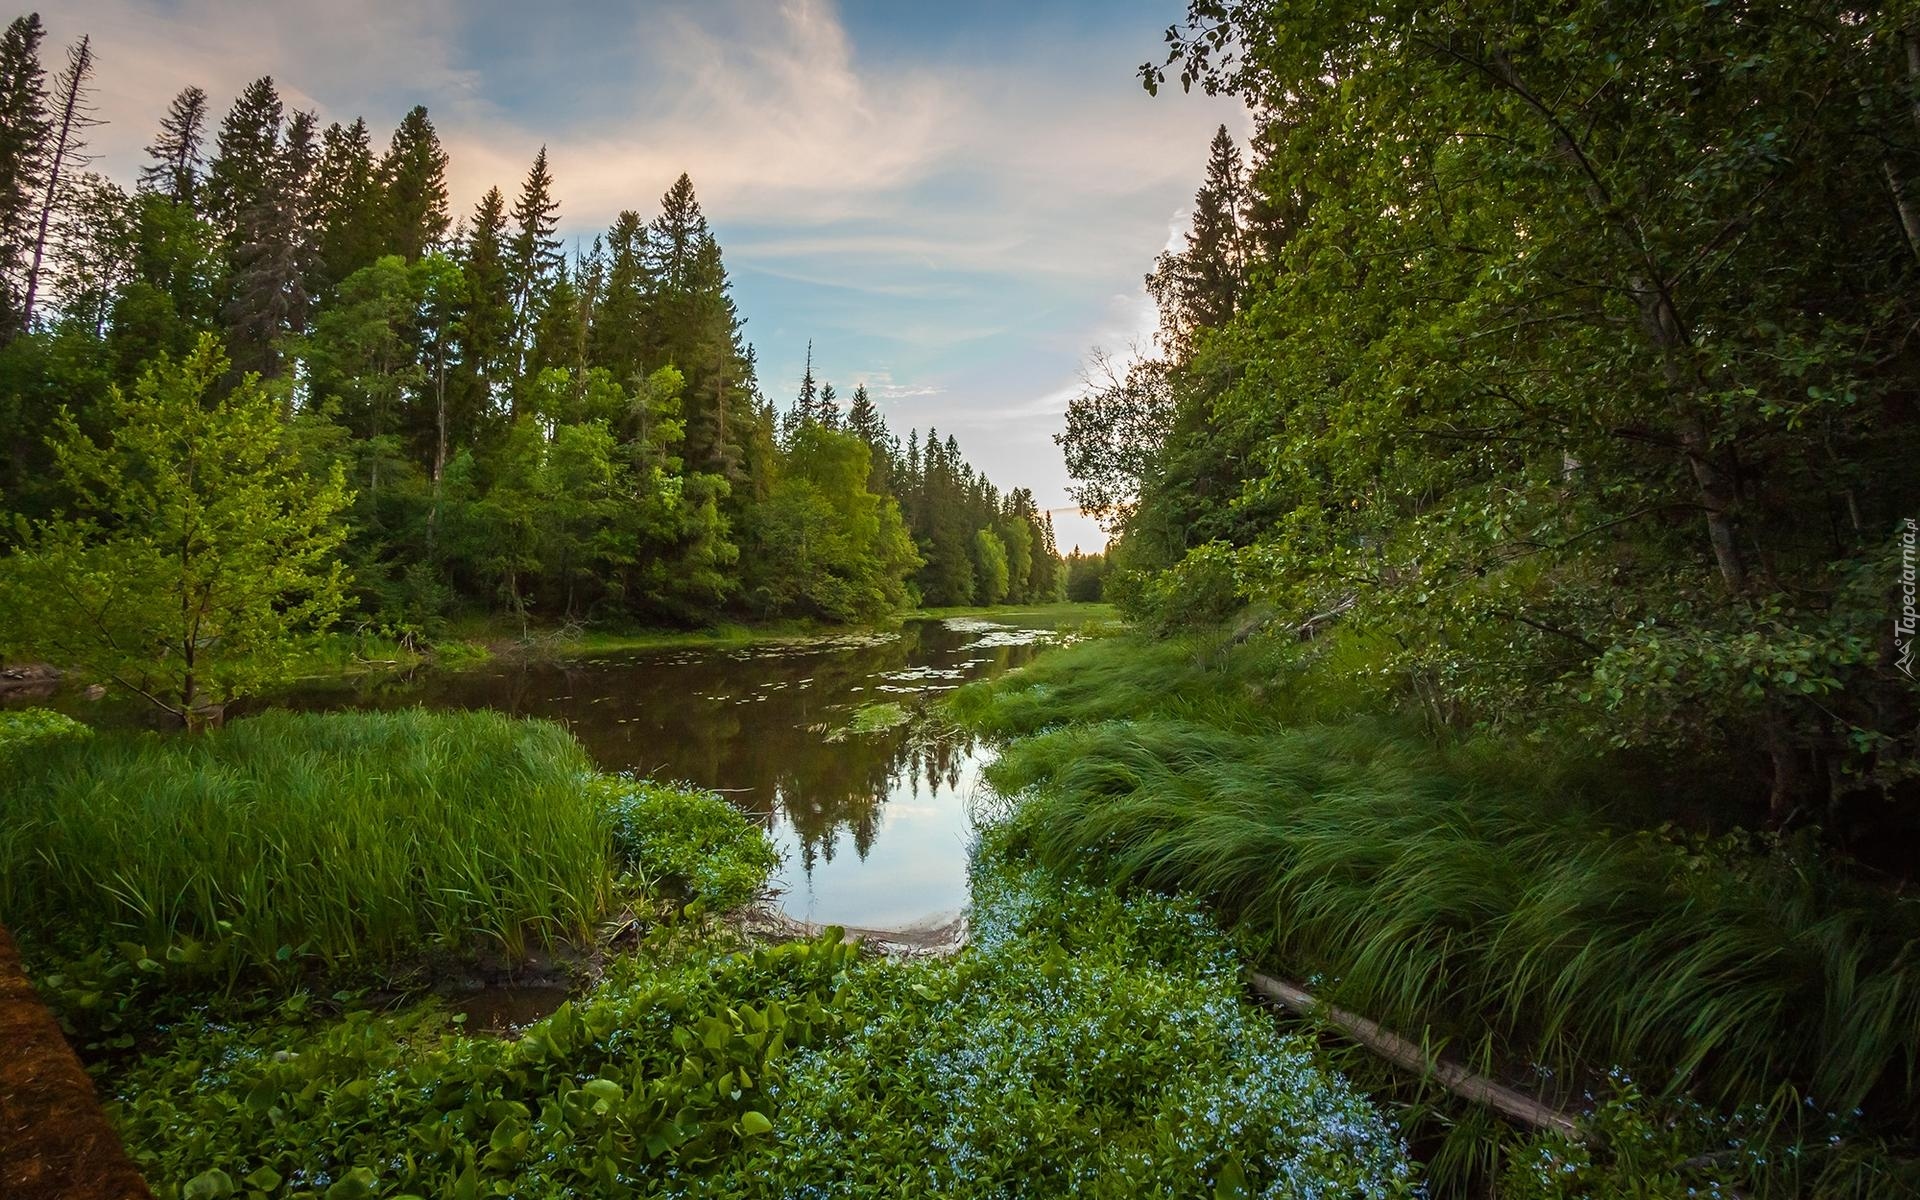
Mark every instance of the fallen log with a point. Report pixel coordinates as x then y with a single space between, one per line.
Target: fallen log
1410 1056
55 1143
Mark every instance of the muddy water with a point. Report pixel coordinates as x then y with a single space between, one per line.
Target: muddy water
873 826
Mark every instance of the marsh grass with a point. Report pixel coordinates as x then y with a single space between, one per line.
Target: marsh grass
285 838
1498 899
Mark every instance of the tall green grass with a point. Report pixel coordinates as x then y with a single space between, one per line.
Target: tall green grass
1487 895
352 838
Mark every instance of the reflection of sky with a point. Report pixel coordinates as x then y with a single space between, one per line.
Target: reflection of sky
916 867
953 201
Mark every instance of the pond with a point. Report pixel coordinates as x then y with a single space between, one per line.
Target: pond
868 805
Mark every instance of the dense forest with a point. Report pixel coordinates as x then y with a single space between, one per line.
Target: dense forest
1565 366
494 421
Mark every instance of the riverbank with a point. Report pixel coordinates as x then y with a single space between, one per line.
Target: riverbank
251 942
1520 907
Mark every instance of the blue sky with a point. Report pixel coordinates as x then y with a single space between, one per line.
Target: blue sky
954 201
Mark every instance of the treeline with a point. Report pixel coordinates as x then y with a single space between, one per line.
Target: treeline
526 429
1561 371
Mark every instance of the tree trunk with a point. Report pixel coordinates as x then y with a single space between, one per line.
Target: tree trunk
78 68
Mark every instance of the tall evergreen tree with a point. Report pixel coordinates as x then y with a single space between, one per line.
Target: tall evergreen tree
349 208
176 150
621 319
70 116
1199 287
268 291
534 254
23 137
242 172
413 181
485 332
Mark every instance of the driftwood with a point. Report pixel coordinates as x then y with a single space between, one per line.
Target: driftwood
55 1143
1412 1057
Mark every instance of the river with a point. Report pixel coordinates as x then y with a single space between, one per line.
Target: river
873 826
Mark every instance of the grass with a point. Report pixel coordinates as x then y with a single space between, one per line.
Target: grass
346 837
1064 613
1492 896
1084 1045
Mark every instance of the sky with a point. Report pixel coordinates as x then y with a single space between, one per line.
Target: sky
954 202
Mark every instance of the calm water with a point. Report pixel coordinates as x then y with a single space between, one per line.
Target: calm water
874 827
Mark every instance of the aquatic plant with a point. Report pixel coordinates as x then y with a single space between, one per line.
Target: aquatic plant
23 726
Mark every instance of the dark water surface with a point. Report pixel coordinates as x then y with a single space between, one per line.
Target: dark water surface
873 826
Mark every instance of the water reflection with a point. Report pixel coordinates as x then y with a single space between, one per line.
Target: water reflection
874 826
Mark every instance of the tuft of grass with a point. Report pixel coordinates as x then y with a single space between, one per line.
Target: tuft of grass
1483 895
284 838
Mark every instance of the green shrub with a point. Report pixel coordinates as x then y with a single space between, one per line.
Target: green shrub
692 841
21 726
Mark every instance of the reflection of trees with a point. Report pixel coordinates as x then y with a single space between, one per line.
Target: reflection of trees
751 723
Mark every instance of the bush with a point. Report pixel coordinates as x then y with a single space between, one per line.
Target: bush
694 842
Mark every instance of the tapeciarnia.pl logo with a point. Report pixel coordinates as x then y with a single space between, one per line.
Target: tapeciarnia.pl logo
1904 624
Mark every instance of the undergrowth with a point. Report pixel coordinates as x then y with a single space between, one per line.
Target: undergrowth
1495 899
1084 1045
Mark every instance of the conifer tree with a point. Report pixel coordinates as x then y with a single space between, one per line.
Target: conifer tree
534 254
621 317
176 150
349 208
1199 287
486 322
243 163
23 136
413 181
268 294
826 410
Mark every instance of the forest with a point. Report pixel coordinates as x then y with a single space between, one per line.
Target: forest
474 415
1515 509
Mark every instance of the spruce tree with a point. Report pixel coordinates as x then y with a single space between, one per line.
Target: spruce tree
176 150
1199 287
413 180
486 319
534 254
268 292
620 320
349 205
23 137
243 163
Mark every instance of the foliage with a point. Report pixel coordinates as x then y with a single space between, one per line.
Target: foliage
558 437
1567 354
1481 896
1084 1045
30 726
693 842
652 1078
199 553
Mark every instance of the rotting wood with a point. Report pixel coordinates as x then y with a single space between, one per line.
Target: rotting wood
1410 1056
55 1143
